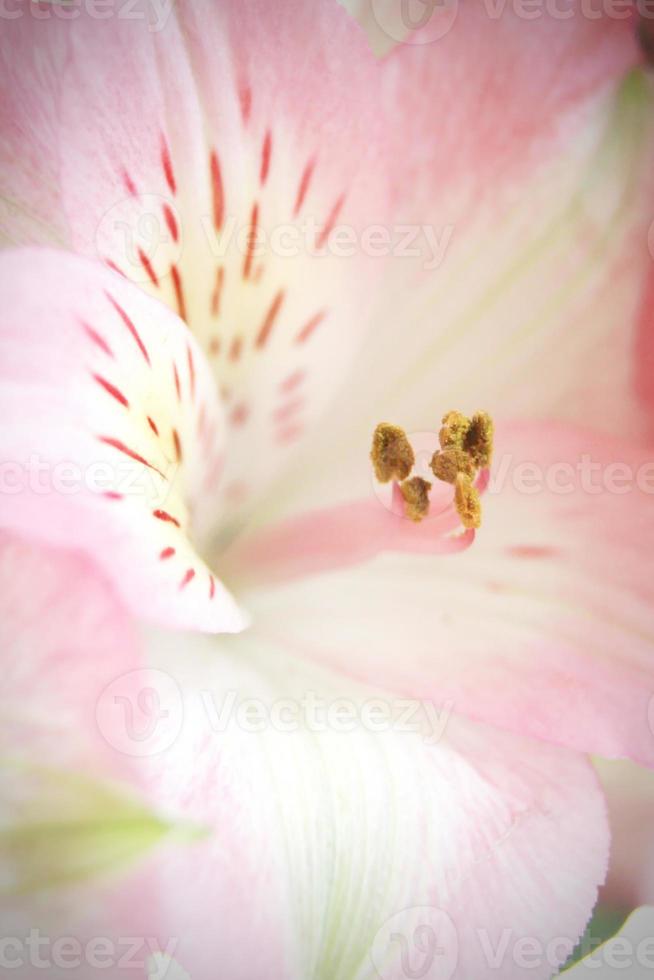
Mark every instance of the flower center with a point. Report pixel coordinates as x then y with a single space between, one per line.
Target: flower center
466 449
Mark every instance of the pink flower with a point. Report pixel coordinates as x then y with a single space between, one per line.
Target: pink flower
254 714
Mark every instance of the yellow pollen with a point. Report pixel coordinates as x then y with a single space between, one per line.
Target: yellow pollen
416 497
466 447
478 442
391 454
454 430
447 464
467 502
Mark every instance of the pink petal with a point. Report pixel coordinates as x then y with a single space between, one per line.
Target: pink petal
276 116
110 433
320 842
344 535
543 627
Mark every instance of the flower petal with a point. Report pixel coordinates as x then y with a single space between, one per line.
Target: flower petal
494 198
333 834
74 807
110 433
543 627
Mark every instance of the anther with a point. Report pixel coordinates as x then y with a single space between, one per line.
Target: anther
478 441
392 455
448 463
416 497
467 502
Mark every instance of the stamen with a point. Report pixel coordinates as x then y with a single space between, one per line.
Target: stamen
447 464
467 502
391 454
466 449
416 497
454 430
478 441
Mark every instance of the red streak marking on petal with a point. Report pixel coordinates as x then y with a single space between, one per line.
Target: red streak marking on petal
309 327
122 448
269 321
130 186
178 445
304 186
130 326
97 339
153 425
289 434
163 515
217 292
212 586
284 412
111 389
191 371
251 242
235 351
171 222
214 346
532 551
179 290
293 380
217 191
167 553
147 265
188 577
245 100
178 387
167 166
331 221
114 268
239 414
112 495
236 492
265 157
